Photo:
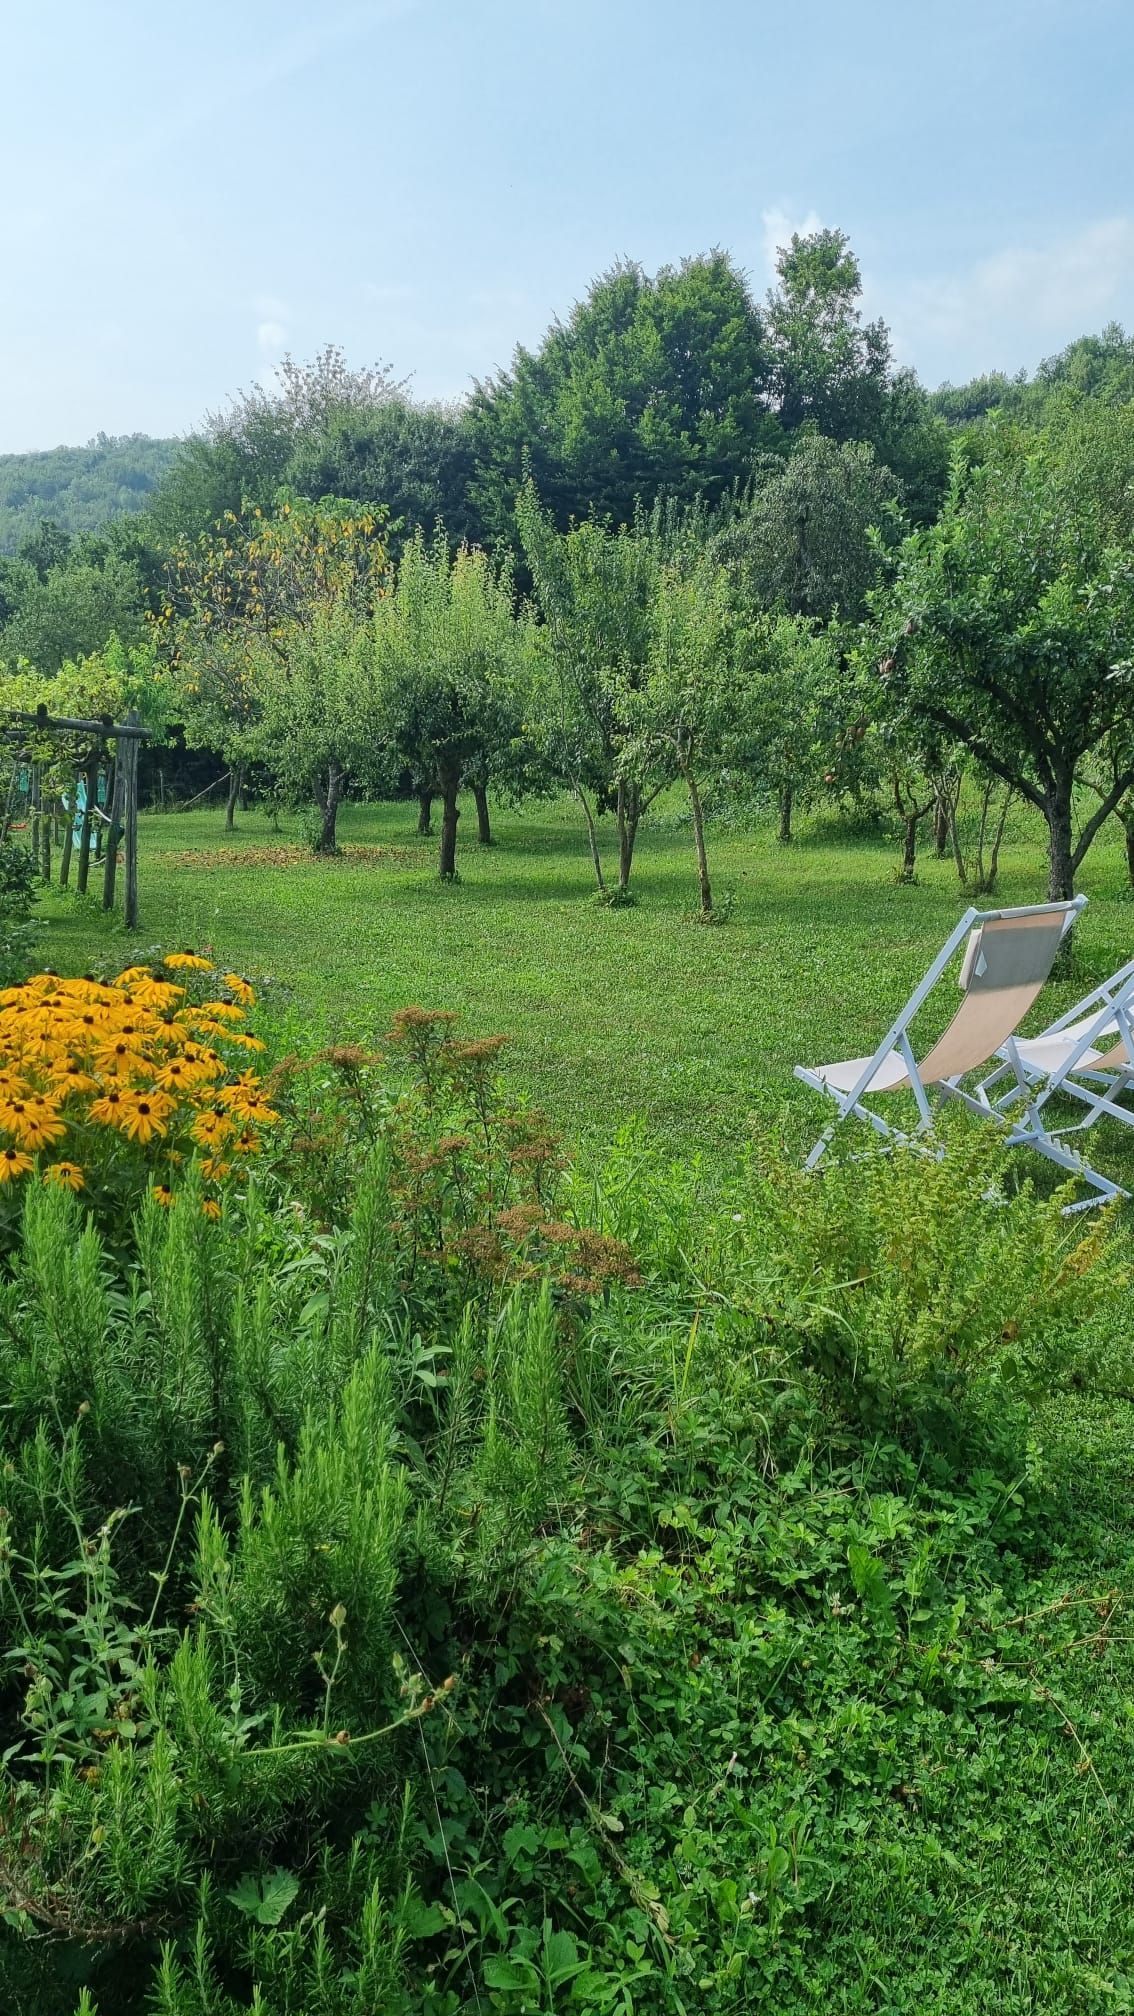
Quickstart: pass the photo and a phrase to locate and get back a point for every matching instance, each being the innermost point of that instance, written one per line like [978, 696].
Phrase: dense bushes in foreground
[513, 1594]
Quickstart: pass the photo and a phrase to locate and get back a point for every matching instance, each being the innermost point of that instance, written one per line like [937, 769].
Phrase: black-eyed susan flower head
[39, 1124]
[144, 1116]
[211, 1128]
[107, 1108]
[153, 993]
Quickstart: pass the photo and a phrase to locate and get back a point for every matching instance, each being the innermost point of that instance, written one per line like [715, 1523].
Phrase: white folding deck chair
[1008, 957]
[1087, 1055]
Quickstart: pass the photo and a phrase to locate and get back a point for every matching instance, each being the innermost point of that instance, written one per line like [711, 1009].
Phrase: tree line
[692, 539]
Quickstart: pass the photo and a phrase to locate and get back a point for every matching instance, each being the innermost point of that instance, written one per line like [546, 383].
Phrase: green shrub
[18, 934]
[931, 1297]
[930, 1292]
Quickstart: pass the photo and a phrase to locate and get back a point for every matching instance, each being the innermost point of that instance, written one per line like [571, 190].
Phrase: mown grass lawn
[615, 1015]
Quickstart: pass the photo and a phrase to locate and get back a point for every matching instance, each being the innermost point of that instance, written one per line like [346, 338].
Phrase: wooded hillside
[82, 489]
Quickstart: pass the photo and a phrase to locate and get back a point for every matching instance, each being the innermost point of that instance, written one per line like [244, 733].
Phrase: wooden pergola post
[123, 823]
[113, 834]
[130, 815]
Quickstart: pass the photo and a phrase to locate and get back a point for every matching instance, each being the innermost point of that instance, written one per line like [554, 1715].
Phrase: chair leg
[821, 1147]
[1075, 1165]
[892, 1136]
[1101, 1104]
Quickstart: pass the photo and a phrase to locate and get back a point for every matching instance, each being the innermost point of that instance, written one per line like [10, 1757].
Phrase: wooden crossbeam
[106, 729]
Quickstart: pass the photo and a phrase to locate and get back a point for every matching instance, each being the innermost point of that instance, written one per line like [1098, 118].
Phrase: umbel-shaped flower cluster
[103, 1086]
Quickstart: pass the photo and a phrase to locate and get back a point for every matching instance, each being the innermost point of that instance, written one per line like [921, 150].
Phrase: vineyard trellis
[43, 742]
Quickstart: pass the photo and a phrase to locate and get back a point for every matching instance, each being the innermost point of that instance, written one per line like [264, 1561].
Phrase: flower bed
[105, 1086]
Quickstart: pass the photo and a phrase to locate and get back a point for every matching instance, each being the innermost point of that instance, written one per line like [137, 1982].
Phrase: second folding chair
[1086, 1056]
[1008, 956]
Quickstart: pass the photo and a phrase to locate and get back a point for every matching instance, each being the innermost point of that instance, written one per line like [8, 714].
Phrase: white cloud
[1012, 306]
[272, 318]
[777, 226]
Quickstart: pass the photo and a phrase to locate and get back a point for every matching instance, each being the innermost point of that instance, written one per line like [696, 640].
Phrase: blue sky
[189, 190]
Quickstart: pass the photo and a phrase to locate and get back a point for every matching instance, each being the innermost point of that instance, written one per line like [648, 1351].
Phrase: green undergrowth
[390, 1629]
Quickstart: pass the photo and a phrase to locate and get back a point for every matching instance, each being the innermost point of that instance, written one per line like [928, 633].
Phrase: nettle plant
[927, 1291]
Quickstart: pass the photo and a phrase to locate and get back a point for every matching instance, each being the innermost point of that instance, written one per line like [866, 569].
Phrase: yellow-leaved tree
[255, 630]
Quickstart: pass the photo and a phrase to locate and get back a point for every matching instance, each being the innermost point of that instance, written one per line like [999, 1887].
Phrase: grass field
[614, 1014]
[863, 1727]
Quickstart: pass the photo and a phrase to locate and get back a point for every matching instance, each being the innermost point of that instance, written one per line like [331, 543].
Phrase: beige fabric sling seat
[1041, 1055]
[1083, 1038]
[1007, 959]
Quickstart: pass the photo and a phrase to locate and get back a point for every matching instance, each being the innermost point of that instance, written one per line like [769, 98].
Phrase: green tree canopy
[241, 456]
[414, 459]
[1092, 367]
[450, 661]
[17, 579]
[652, 385]
[255, 611]
[830, 370]
[692, 717]
[801, 707]
[310, 713]
[73, 610]
[79, 489]
[47, 545]
[835, 374]
[1010, 623]
[805, 542]
[595, 587]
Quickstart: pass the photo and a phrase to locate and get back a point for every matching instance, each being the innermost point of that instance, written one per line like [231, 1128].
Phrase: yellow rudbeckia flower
[144, 1115]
